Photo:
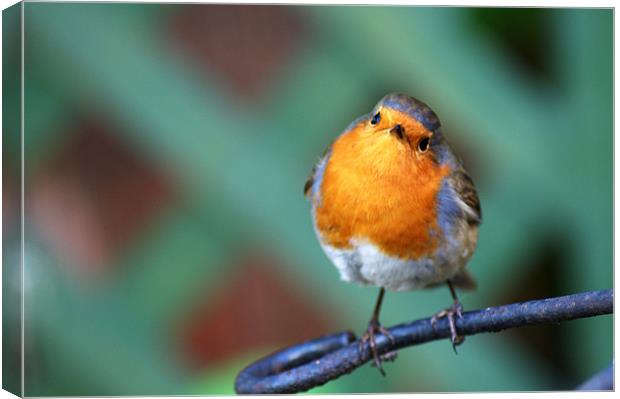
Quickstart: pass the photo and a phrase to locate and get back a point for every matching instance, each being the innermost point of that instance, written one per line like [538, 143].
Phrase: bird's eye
[375, 119]
[423, 144]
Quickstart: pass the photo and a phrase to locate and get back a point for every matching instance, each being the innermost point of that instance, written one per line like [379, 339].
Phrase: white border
[480, 3]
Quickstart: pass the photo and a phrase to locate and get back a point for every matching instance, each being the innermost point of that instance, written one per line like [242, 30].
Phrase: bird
[393, 206]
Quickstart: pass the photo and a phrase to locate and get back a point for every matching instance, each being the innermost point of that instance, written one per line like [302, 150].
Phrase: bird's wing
[315, 168]
[309, 181]
[463, 185]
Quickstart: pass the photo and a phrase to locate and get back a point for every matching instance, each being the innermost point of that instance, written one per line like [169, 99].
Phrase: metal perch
[313, 363]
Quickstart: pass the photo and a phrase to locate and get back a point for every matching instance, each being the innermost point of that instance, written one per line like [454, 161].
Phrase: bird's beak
[398, 131]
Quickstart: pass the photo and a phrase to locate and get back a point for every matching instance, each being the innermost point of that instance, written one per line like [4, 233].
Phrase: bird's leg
[455, 310]
[374, 327]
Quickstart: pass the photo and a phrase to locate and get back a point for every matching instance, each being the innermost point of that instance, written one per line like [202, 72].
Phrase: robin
[394, 207]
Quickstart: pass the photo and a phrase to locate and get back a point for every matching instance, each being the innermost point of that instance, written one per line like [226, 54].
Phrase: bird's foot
[387, 357]
[455, 311]
[374, 327]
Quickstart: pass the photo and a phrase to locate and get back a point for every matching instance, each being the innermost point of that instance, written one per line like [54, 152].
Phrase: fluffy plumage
[391, 211]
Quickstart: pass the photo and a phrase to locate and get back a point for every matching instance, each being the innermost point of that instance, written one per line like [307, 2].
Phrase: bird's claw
[388, 357]
[455, 310]
[375, 327]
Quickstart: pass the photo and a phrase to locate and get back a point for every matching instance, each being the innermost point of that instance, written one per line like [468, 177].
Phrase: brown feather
[309, 181]
[464, 187]
[464, 280]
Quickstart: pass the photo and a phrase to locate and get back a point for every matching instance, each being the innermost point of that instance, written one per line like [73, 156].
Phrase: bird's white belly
[365, 264]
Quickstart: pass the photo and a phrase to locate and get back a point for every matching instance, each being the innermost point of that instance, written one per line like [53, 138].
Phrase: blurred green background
[168, 243]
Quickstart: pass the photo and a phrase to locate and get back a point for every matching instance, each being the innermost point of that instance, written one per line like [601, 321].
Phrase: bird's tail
[464, 280]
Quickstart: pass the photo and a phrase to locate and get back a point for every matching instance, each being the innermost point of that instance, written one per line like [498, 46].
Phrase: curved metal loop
[275, 373]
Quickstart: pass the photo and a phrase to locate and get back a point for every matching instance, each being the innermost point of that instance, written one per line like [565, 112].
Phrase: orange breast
[376, 188]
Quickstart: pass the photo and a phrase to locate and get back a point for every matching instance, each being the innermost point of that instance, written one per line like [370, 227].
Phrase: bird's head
[406, 119]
